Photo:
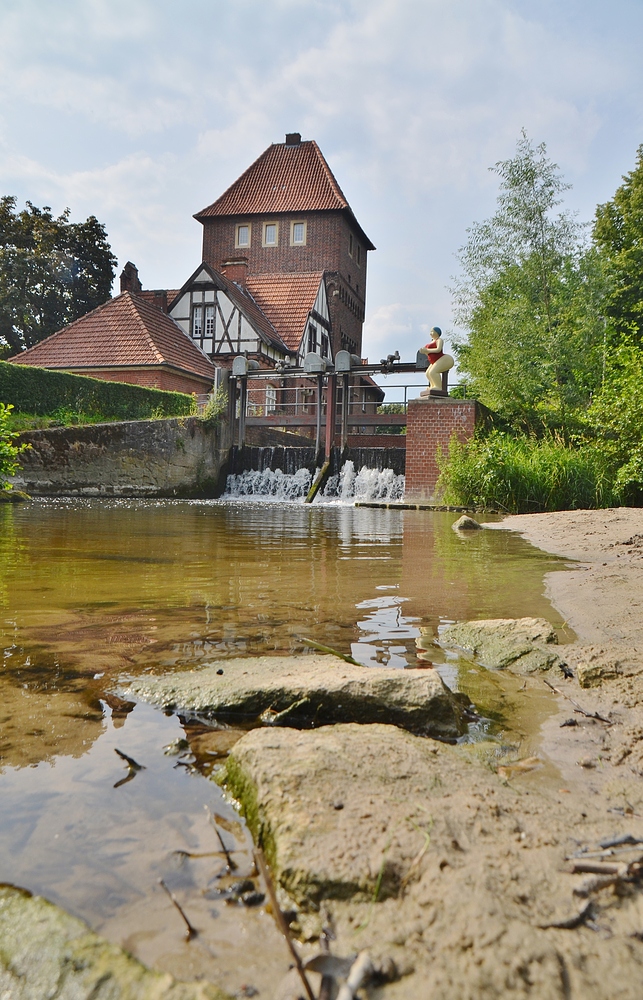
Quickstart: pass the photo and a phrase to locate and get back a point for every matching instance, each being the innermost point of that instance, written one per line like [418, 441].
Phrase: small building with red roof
[126, 340]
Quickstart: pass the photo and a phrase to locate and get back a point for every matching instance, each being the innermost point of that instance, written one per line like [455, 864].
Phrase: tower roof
[287, 177]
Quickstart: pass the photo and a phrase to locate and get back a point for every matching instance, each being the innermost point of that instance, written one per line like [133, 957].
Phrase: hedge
[43, 392]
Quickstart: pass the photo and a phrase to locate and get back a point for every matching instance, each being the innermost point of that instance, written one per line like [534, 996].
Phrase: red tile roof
[284, 179]
[286, 299]
[125, 331]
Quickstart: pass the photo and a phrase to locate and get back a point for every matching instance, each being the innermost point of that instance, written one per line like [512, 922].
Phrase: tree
[618, 234]
[8, 450]
[529, 296]
[52, 271]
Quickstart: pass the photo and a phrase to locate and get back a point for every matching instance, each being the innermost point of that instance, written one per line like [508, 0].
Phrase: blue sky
[143, 111]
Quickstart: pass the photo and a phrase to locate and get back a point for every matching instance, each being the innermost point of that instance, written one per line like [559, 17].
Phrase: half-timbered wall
[317, 336]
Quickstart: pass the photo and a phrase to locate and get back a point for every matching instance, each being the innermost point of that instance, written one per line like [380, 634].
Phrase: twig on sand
[232, 864]
[329, 649]
[192, 932]
[361, 969]
[577, 707]
[571, 923]
[282, 923]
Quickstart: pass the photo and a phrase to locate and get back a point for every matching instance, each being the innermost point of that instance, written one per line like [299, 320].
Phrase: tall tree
[52, 271]
[529, 297]
[618, 234]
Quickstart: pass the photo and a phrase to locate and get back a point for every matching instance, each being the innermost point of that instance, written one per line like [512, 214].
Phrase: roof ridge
[238, 180]
[329, 174]
[136, 301]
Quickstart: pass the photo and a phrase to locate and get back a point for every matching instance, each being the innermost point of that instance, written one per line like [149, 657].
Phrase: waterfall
[346, 487]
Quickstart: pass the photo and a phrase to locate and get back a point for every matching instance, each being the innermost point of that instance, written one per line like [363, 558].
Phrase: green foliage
[42, 392]
[8, 450]
[390, 428]
[522, 474]
[618, 234]
[216, 406]
[52, 271]
[616, 419]
[529, 296]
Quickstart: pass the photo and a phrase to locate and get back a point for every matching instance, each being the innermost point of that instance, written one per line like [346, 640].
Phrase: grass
[521, 474]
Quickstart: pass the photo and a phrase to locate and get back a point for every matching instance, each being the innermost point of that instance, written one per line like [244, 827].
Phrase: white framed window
[298, 234]
[271, 234]
[350, 244]
[197, 322]
[209, 322]
[243, 234]
[359, 255]
[271, 399]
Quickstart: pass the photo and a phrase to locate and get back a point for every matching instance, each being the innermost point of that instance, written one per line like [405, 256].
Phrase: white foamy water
[348, 486]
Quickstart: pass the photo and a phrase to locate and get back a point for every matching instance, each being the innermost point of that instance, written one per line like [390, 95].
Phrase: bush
[523, 474]
[41, 392]
[8, 450]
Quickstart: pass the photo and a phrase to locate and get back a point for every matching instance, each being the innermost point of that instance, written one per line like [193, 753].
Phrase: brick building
[127, 339]
[287, 215]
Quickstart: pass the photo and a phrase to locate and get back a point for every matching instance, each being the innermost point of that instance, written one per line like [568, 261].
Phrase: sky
[142, 112]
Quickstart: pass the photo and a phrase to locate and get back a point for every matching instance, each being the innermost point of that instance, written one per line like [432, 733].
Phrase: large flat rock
[524, 645]
[301, 691]
[46, 953]
[421, 854]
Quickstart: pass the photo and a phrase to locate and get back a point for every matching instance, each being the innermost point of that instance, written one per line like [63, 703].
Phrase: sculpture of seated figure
[439, 362]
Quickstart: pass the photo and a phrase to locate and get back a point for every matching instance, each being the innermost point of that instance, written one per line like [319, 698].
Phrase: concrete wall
[181, 456]
[431, 423]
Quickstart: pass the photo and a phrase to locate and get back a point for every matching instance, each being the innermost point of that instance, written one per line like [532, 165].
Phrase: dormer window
[270, 234]
[298, 234]
[242, 238]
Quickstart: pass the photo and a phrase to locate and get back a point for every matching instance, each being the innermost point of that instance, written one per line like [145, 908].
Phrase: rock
[301, 691]
[288, 783]
[45, 952]
[594, 670]
[435, 864]
[13, 496]
[522, 644]
[465, 523]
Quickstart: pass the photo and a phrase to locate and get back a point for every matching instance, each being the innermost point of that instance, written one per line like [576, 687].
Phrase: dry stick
[281, 920]
[232, 865]
[329, 649]
[130, 760]
[588, 715]
[192, 931]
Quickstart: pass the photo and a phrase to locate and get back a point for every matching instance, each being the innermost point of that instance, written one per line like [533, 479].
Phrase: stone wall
[431, 423]
[181, 456]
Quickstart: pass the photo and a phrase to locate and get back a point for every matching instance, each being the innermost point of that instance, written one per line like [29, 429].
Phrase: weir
[348, 483]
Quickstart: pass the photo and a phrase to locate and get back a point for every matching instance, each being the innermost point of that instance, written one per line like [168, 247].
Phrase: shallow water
[91, 591]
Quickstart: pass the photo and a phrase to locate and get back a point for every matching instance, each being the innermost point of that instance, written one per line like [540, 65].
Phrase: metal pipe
[345, 398]
[320, 383]
[243, 402]
[331, 397]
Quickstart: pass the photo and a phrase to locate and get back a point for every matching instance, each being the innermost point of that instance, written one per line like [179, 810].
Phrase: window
[359, 255]
[271, 399]
[243, 233]
[209, 321]
[197, 322]
[325, 353]
[270, 234]
[312, 338]
[297, 234]
[350, 244]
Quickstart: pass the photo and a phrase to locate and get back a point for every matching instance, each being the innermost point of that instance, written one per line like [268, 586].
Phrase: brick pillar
[431, 423]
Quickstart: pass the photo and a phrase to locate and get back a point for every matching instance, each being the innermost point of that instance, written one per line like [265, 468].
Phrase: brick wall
[326, 249]
[431, 423]
[151, 378]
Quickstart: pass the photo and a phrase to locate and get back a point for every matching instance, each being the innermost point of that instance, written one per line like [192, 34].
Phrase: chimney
[236, 270]
[293, 138]
[130, 280]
